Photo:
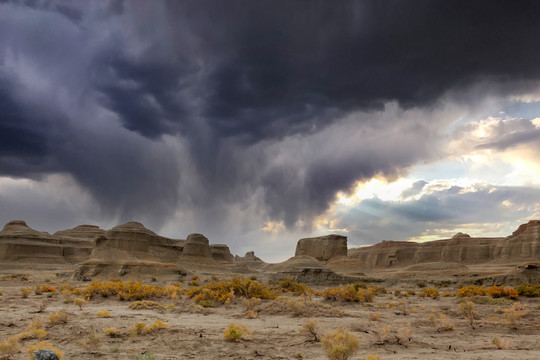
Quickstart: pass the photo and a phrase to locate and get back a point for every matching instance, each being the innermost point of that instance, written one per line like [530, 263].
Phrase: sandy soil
[192, 335]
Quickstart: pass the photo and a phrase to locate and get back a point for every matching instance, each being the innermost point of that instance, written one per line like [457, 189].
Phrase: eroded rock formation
[322, 248]
[197, 245]
[221, 252]
[522, 245]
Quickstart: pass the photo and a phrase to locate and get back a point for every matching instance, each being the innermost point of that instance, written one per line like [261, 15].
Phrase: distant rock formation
[133, 242]
[197, 245]
[522, 245]
[322, 248]
[20, 242]
[249, 260]
[221, 252]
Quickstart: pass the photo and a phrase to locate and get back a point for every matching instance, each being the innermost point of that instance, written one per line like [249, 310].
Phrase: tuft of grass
[25, 292]
[513, 315]
[9, 348]
[80, 302]
[340, 344]
[501, 344]
[467, 310]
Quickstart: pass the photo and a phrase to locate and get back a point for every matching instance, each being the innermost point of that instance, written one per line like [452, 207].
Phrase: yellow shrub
[237, 286]
[429, 292]
[501, 291]
[9, 348]
[25, 292]
[146, 304]
[471, 290]
[104, 314]
[340, 344]
[80, 302]
[32, 334]
[350, 293]
[44, 345]
[113, 332]
[529, 290]
[514, 314]
[288, 285]
[467, 309]
[236, 332]
[123, 291]
[58, 318]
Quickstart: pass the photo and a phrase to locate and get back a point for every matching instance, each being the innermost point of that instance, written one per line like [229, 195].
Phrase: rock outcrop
[132, 242]
[322, 248]
[81, 232]
[222, 253]
[197, 245]
[522, 245]
[20, 242]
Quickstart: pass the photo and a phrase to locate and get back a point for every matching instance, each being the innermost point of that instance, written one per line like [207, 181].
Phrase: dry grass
[237, 332]
[340, 344]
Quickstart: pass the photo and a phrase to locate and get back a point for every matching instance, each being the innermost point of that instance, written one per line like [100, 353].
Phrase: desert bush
[382, 331]
[9, 348]
[421, 284]
[80, 302]
[501, 291]
[471, 290]
[467, 310]
[42, 305]
[501, 344]
[429, 292]
[36, 323]
[375, 316]
[174, 292]
[288, 285]
[25, 292]
[104, 314]
[236, 332]
[441, 322]
[372, 357]
[58, 317]
[350, 293]
[145, 304]
[529, 290]
[34, 333]
[143, 328]
[113, 332]
[340, 344]
[513, 315]
[311, 329]
[44, 345]
[237, 286]
[404, 334]
[123, 291]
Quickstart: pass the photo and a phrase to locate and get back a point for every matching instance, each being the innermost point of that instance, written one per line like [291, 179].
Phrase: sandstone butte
[128, 248]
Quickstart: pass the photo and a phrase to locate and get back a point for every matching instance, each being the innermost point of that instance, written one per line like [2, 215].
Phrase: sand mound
[294, 263]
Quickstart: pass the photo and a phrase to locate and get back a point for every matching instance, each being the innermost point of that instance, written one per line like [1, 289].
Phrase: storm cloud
[185, 110]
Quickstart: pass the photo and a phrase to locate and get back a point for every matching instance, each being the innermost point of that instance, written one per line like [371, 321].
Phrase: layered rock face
[81, 232]
[222, 253]
[132, 242]
[18, 241]
[522, 245]
[197, 245]
[323, 247]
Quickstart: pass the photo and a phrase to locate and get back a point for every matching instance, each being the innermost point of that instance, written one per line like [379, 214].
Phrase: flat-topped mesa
[322, 248]
[523, 245]
[134, 242]
[197, 245]
[18, 241]
[222, 253]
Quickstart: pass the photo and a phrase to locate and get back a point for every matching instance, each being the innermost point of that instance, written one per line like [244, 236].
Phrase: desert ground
[398, 324]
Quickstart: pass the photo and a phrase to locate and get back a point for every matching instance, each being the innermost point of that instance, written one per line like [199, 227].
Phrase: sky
[257, 123]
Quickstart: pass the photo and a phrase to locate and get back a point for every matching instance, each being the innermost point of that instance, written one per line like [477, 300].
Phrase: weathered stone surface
[18, 241]
[81, 232]
[323, 247]
[522, 245]
[134, 242]
[221, 252]
[249, 260]
[45, 355]
[197, 245]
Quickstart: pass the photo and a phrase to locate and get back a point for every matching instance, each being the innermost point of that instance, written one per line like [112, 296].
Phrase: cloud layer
[220, 116]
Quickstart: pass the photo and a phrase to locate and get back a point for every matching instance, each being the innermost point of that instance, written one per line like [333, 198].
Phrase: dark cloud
[201, 105]
[375, 220]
